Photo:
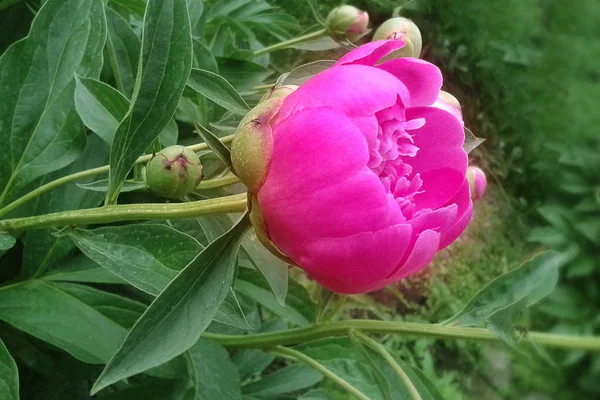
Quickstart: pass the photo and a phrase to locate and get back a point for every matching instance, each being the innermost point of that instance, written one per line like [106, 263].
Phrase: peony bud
[404, 29]
[253, 142]
[477, 182]
[174, 172]
[347, 22]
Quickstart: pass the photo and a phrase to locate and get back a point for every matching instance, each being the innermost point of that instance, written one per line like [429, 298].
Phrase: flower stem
[286, 353]
[85, 174]
[129, 212]
[282, 45]
[340, 328]
[412, 390]
[226, 180]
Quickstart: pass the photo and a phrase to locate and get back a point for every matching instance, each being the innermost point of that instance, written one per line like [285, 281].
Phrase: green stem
[226, 180]
[412, 390]
[282, 45]
[341, 328]
[296, 355]
[129, 212]
[85, 174]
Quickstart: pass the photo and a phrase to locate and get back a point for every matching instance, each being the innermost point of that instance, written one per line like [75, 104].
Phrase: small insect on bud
[174, 172]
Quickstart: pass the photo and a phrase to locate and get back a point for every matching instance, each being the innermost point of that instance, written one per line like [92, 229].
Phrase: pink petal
[464, 204]
[421, 254]
[370, 53]
[423, 79]
[355, 264]
[356, 90]
[311, 191]
[441, 160]
[438, 220]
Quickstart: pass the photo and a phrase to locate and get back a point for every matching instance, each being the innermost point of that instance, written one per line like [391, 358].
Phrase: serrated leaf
[100, 106]
[289, 379]
[216, 375]
[46, 312]
[123, 49]
[215, 145]
[6, 241]
[165, 64]
[535, 279]
[216, 88]
[102, 186]
[147, 256]
[9, 376]
[176, 319]
[39, 127]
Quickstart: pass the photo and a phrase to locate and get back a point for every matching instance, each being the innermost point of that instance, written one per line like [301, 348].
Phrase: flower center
[390, 155]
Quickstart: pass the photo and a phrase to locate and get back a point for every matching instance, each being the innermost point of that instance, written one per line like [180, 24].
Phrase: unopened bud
[174, 172]
[347, 22]
[404, 29]
[477, 182]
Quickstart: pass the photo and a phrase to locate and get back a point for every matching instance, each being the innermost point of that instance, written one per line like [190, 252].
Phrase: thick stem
[301, 335]
[282, 45]
[85, 174]
[412, 390]
[296, 355]
[129, 212]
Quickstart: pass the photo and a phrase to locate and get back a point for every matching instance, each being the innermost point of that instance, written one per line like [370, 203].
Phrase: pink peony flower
[477, 182]
[356, 176]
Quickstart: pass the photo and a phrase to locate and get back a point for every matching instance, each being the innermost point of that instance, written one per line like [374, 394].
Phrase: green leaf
[100, 106]
[177, 318]
[48, 313]
[501, 322]
[203, 57]
[81, 269]
[37, 85]
[123, 49]
[215, 145]
[251, 362]
[273, 270]
[148, 256]
[6, 241]
[214, 87]
[231, 313]
[120, 309]
[243, 75]
[102, 186]
[42, 249]
[535, 279]
[155, 389]
[137, 7]
[346, 361]
[289, 379]
[299, 309]
[216, 375]
[165, 64]
[9, 376]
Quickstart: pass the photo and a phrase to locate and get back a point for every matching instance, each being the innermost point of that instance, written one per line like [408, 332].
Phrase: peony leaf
[289, 379]
[165, 64]
[215, 88]
[534, 279]
[7, 241]
[303, 73]
[102, 186]
[123, 51]
[9, 375]
[215, 145]
[177, 317]
[471, 141]
[37, 82]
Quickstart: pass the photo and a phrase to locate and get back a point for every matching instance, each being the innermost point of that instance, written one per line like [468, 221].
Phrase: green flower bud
[252, 145]
[401, 28]
[347, 22]
[174, 172]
